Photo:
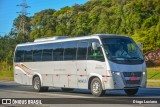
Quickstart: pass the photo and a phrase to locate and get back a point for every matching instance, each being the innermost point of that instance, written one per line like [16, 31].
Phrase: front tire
[37, 85]
[96, 87]
[131, 92]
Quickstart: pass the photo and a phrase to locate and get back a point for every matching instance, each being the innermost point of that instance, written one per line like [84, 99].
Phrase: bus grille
[128, 75]
[131, 74]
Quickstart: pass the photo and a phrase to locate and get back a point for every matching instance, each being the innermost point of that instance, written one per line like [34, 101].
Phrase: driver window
[95, 54]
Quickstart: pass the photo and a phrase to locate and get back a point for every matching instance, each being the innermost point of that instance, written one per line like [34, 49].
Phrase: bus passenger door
[82, 65]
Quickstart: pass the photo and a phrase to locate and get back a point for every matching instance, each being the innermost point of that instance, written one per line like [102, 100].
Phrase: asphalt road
[10, 89]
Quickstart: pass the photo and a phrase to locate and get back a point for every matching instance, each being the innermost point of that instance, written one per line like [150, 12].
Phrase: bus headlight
[144, 73]
[116, 73]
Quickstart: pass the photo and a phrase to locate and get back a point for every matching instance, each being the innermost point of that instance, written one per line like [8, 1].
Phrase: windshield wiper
[136, 58]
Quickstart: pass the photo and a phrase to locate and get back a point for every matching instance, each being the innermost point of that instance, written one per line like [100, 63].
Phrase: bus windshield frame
[122, 50]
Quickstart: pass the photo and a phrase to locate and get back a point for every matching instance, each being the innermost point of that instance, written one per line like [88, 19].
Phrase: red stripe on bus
[22, 69]
[106, 76]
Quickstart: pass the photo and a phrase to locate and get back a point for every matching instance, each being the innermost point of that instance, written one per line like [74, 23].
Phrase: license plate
[133, 78]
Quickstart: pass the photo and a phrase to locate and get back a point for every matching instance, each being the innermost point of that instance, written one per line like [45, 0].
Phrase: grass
[153, 73]
[153, 83]
[6, 75]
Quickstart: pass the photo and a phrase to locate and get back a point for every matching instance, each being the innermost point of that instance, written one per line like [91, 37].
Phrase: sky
[8, 10]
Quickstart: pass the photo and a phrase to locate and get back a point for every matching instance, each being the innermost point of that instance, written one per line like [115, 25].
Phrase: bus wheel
[131, 92]
[37, 85]
[67, 89]
[96, 87]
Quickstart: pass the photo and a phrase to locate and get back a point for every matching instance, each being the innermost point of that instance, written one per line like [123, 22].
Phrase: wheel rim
[36, 84]
[96, 87]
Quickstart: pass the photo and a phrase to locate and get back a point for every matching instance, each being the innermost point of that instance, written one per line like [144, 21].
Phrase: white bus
[97, 62]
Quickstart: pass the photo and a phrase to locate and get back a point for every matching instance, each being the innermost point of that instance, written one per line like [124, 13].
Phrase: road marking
[72, 96]
[59, 95]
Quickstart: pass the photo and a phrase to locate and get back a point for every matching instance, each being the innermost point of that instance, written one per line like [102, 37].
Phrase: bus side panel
[99, 68]
[69, 68]
[28, 69]
[21, 74]
[18, 75]
[60, 78]
[46, 69]
[82, 74]
[56, 80]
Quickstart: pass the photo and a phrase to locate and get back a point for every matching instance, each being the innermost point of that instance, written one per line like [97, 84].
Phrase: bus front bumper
[125, 80]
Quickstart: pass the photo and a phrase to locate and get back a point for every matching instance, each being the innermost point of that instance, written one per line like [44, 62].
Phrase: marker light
[116, 72]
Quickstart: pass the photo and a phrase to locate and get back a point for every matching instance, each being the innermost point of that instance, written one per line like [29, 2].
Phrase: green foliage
[136, 18]
[27, 23]
[43, 24]
[7, 44]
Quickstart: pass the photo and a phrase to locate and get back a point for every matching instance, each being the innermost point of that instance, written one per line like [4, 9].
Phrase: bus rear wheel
[37, 85]
[131, 92]
[96, 87]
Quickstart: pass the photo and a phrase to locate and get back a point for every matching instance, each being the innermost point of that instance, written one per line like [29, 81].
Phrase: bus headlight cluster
[116, 73]
[144, 73]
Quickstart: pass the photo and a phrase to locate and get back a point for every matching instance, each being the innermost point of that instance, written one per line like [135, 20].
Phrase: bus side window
[95, 54]
[82, 51]
[19, 55]
[70, 50]
[28, 54]
[58, 52]
[47, 52]
[37, 53]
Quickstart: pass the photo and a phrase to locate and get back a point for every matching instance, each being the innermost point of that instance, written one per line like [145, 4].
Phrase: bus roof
[65, 38]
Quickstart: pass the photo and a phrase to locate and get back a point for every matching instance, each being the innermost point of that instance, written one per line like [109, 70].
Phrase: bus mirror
[95, 45]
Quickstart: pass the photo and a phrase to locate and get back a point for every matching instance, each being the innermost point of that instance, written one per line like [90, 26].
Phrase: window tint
[47, 52]
[28, 54]
[70, 50]
[132, 50]
[19, 55]
[82, 51]
[58, 52]
[37, 53]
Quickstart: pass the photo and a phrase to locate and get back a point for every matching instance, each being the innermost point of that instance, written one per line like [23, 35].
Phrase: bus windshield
[122, 50]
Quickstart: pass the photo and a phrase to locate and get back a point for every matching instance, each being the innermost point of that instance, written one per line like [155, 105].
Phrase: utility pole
[23, 13]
